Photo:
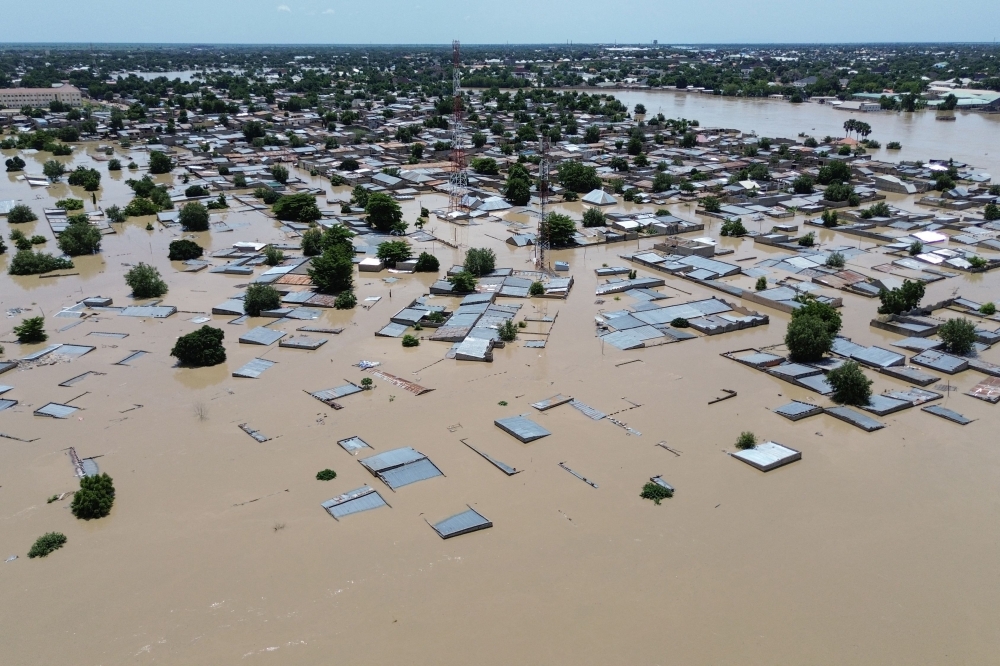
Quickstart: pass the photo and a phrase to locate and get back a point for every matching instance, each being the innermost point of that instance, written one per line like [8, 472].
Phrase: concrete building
[16, 98]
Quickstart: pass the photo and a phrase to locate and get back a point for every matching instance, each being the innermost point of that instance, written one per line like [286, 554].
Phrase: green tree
[297, 208]
[145, 281]
[536, 289]
[326, 475]
[991, 212]
[427, 263]
[575, 176]
[834, 171]
[463, 282]
[901, 299]
[47, 543]
[26, 262]
[183, 250]
[959, 335]
[21, 213]
[711, 204]
[561, 229]
[384, 213]
[79, 236]
[811, 307]
[31, 330]
[592, 134]
[359, 195]
[593, 217]
[339, 235]
[518, 186]
[200, 348]
[485, 165]
[159, 162]
[655, 492]
[808, 338]
[761, 283]
[829, 218]
[14, 164]
[193, 217]
[94, 498]
[746, 440]
[411, 340]
[259, 298]
[345, 300]
[850, 385]
[53, 170]
[273, 256]
[480, 261]
[662, 182]
[333, 271]
[88, 179]
[279, 173]
[802, 185]
[311, 239]
[394, 252]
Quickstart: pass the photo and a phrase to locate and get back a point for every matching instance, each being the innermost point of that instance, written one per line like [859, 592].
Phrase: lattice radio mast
[459, 176]
[542, 243]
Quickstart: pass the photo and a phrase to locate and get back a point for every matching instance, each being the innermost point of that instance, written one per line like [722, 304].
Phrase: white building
[16, 98]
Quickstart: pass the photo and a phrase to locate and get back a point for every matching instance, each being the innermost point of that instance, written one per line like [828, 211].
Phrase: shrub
[808, 240]
[712, 204]
[991, 212]
[733, 227]
[14, 164]
[958, 335]
[808, 338]
[345, 300]
[114, 165]
[427, 263]
[20, 213]
[835, 260]
[140, 206]
[195, 191]
[240, 180]
[367, 384]
[312, 242]
[536, 289]
[115, 214]
[463, 282]
[333, 271]
[746, 440]
[326, 475]
[976, 261]
[202, 347]
[273, 256]
[829, 218]
[267, 195]
[893, 145]
[260, 297]
[655, 492]
[850, 385]
[507, 331]
[38, 240]
[480, 261]
[70, 204]
[679, 322]
[593, 217]
[47, 543]
[988, 309]
[31, 330]
[145, 281]
[761, 283]
[279, 173]
[182, 250]
[80, 237]
[94, 498]
[394, 252]
[410, 340]
[26, 262]
[193, 217]
[916, 247]
[901, 299]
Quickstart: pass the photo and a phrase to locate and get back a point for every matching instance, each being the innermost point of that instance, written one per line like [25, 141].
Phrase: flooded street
[875, 548]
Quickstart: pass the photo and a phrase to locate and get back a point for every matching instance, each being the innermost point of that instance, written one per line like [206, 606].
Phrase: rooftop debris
[578, 475]
[503, 467]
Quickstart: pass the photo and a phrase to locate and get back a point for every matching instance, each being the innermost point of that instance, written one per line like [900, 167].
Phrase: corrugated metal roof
[254, 368]
[461, 523]
[768, 456]
[131, 357]
[154, 311]
[392, 331]
[90, 467]
[261, 336]
[302, 342]
[522, 428]
[355, 501]
[338, 392]
[410, 473]
[390, 459]
[353, 444]
[56, 410]
[549, 403]
[34, 356]
[944, 413]
[76, 350]
[6, 403]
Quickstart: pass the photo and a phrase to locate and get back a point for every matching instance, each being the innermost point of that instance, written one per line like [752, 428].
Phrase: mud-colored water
[875, 548]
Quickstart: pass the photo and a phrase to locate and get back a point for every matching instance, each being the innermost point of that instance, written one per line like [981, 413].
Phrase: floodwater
[873, 549]
[970, 139]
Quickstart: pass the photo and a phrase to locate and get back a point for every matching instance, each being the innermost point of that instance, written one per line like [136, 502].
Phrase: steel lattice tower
[542, 242]
[459, 176]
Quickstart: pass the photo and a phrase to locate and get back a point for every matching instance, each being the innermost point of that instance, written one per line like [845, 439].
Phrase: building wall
[15, 98]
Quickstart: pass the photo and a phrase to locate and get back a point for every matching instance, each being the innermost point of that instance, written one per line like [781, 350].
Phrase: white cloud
[329, 11]
[284, 8]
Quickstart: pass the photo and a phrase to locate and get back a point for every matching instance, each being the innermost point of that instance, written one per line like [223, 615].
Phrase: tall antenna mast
[459, 176]
[542, 242]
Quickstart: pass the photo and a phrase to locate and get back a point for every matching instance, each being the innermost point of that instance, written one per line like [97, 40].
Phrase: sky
[501, 21]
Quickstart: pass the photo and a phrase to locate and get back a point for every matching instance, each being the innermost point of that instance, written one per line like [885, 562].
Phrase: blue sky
[500, 21]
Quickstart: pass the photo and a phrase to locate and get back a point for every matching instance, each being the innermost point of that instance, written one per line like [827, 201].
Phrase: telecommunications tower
[459, 179]
[542, 242]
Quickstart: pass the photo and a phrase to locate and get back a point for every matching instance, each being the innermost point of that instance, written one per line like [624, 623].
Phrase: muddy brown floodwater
[873, 549]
